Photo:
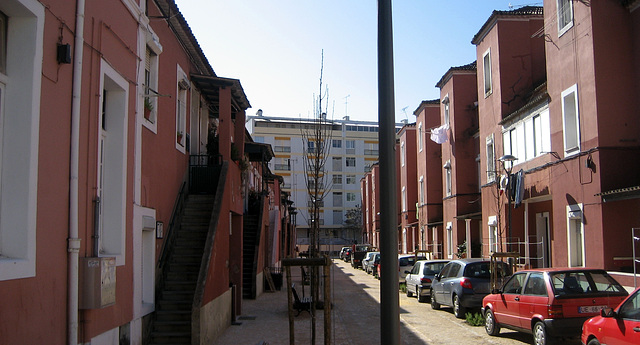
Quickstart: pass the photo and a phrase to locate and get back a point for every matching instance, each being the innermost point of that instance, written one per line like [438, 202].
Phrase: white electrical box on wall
[98, 282]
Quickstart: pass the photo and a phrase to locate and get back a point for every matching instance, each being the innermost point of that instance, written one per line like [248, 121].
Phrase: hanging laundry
[519, 188]
[440, 134]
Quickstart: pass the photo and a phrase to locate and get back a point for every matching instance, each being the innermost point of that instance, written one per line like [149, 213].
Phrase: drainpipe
[74, 241]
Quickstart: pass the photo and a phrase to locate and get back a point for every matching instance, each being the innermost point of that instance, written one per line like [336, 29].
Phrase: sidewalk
[355, 317]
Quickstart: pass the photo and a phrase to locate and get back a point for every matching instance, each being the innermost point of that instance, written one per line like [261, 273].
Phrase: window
[486, 73]
[337, 180]
[337, 199]
[450, 240]
[421, 190]
[337, 217]
[404, 199]
[351, 179]
[150, 85]
[565, 16]
[350, 145]
[3, 43]
[493, 234]
[576, 236]
[445, 104]
[630, 310]
[491, 159]
[181, 110]
[571, 120]
[351, 196]
[448, 182]
[337, 163]
[282, 163]
[336, 143]
[351, 161]
[420, 135]
[402, 153]
[258, 139]
[514, 285]
[21, 53]
[371, 149]
[536, 285]
[528, 138]
[282, 145]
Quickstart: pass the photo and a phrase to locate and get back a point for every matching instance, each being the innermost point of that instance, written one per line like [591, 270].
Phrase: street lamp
[508, 168]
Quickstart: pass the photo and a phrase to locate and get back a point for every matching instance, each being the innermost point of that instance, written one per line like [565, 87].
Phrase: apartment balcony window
[337, 199]
[351, 162]
[351, 179]
[571, 120]
[486, 73]
[336, 143]
[565, 16]
[337, 163]
[350, 146]
[448, 182]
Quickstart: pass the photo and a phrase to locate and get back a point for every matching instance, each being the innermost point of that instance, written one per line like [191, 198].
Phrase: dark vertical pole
[389, 302]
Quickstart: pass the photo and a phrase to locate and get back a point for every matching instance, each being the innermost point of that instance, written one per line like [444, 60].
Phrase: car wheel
[434, 305]
[421, 297]
[458, 310]
[490, 324]
[540, 336]
[593, 341]
[409, 293]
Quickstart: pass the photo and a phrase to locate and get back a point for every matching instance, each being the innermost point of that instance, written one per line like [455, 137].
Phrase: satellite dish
[504, 182]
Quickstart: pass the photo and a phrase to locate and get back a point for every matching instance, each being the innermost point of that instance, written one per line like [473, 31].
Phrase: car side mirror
[437, 277]
[407, 272]
[607, 312]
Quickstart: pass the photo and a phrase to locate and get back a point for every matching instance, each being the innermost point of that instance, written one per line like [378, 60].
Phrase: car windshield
[432, 269]
[482, 270]
[584, 282]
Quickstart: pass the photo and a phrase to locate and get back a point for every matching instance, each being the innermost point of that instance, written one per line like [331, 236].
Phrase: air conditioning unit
[98, 282]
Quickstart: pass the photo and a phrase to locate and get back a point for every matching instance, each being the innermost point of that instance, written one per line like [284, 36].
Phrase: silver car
[367, 262]
[420, 277]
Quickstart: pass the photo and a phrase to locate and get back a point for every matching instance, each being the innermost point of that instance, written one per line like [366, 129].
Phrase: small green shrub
[403, 287]
[475, 320]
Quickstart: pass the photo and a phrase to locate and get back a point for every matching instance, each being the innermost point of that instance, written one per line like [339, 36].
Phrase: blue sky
[275, 49]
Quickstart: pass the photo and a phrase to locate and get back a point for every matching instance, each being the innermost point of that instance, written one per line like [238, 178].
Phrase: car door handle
[636, 329]
[517, 299]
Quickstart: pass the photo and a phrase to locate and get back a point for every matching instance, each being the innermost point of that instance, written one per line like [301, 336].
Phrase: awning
[620, 194]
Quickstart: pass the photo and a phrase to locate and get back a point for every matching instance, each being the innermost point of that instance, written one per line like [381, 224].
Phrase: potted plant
[148, 108]
[179, 137]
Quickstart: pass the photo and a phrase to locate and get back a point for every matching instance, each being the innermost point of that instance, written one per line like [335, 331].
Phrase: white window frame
[567, 127]
[20, 116]
[420, 137]
[112, 240]
[446, 109]
[351, 196]
[402, 154]
[494, 240]
[350, 159]
[575, 236]
[336, 143]
[564, 25]
[182, 104]
[449, 230]
[351, 179]
[448, 178]
[337, 179]
[486, 73]
[491, 158]
[153, 50]
[528, 138]
[421, 190]
[404, 199]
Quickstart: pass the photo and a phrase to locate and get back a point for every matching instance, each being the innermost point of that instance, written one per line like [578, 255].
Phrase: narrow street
[356, 318]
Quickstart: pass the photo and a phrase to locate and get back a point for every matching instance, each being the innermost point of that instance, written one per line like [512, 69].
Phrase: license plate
[591, 309]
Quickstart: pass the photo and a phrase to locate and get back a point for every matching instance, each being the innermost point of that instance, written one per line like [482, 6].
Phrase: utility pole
[389, 301]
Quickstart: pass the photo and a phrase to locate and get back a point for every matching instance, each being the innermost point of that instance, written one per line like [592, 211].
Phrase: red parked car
[619, 326]
[550, 302]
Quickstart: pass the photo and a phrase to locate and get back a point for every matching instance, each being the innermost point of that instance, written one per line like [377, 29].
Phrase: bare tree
[316, 139]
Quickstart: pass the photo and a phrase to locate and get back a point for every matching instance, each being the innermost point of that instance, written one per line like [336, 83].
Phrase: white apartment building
[353, 148]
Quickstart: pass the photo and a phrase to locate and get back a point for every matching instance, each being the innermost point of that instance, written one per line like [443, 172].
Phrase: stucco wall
[215, 317]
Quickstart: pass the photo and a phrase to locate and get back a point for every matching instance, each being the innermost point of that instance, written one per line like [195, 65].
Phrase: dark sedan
[462, 284]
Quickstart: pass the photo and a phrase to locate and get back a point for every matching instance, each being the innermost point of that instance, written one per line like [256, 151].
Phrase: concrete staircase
[172, 322]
